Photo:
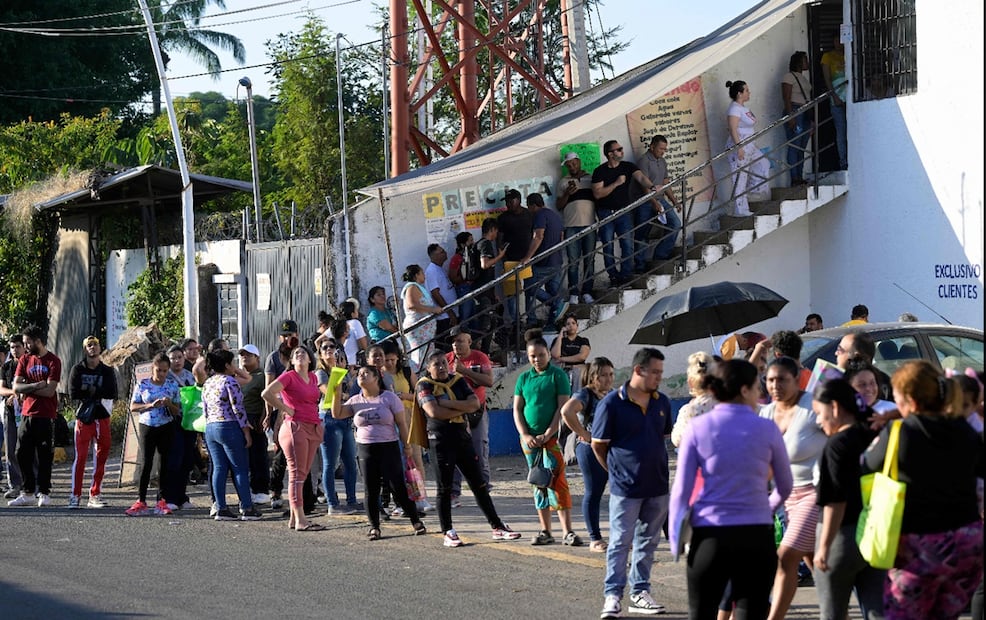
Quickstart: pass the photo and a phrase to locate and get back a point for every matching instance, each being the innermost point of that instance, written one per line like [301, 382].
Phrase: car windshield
[813, 345]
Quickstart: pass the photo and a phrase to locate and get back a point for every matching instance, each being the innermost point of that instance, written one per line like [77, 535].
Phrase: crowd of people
[768, 474]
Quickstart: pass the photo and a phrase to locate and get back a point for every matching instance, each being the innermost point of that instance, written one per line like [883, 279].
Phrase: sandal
[311, 527]
[543, 538]
[572, 540]
[373, 534]
[597, 546]
[419, 528]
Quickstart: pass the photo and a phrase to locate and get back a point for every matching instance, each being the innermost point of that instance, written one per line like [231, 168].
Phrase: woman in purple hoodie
[738, 453]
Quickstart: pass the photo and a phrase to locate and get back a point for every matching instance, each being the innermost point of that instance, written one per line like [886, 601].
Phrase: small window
[885, 62]
[958, 353]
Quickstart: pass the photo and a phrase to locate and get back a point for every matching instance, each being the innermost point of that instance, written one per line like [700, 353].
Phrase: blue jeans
[466, 308]
[8, 435]
[669, 234]
[839, 122]
[797, 138]
[339, 440]
[227, 448]
[595, 478]
[621, 227]
[544, 286]
[582, 251]
[638, 521]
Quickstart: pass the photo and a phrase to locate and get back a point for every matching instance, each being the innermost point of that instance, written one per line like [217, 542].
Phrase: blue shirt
[549, 220]
[147, 392]
[637, 459]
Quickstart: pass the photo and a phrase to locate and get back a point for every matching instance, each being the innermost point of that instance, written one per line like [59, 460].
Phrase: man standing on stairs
[545, 285]
[611, 188]
[655, 167]
[578, 208]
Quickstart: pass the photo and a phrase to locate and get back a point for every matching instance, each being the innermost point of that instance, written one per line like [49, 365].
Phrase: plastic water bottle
[270, 438]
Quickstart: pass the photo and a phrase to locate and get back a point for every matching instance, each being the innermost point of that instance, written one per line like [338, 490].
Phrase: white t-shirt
[800, 87]
[747, 121]
[435, 277]
[356, 332]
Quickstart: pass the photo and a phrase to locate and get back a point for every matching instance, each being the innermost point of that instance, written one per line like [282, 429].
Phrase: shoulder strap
[802, 88]
[890, 460]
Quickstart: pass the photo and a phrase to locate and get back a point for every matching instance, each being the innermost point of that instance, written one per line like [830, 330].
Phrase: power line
[91, 16]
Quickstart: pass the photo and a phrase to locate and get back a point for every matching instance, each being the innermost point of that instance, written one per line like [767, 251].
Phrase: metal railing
[489, 323]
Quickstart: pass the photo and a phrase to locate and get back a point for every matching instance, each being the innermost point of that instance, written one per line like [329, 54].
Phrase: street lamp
[254, 164]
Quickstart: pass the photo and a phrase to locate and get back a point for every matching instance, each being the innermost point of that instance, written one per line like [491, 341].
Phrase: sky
[653, 28]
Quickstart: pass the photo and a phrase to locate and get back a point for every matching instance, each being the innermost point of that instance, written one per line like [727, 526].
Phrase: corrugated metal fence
[297, 288]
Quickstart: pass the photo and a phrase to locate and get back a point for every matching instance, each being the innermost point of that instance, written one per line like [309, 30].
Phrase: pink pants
[84, 434]
[299, 441]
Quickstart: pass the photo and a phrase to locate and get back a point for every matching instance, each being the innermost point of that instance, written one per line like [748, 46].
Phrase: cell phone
[506, 245]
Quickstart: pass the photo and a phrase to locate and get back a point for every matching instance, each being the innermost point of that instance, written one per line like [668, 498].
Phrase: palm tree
[178, 31]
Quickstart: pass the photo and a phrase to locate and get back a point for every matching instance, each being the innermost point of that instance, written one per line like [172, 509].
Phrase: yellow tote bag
[508, 284]
[878, 529]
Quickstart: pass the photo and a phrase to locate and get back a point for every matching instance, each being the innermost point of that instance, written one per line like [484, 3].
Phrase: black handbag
[539, 475]
[86, 413]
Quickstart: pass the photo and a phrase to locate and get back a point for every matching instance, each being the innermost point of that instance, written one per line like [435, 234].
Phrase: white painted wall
[123, 267]
[916, 186]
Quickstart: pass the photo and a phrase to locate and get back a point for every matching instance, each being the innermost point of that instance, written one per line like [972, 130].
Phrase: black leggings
[153, 439]
[383, 460]
[452, 447]
[743, 555]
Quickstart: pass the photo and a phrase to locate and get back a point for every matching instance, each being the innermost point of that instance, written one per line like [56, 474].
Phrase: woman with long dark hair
[378, 416]
[839, 568]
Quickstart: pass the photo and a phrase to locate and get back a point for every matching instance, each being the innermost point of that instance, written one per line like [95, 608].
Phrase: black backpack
[471, 264]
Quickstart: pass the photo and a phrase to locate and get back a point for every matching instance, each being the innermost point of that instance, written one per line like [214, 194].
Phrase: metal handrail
[681, 183]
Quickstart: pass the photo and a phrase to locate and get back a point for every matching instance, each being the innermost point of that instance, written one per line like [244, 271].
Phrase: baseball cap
[89, 340]
[251, 349]
[569, 156]
[511, 193]
[288, 327]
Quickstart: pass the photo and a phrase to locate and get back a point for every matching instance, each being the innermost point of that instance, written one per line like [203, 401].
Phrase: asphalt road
[56, 563]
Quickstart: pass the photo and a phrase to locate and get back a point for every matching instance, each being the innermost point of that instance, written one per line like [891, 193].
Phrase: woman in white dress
[750, 167]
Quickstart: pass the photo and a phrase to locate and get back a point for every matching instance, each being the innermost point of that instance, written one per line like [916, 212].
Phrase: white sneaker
[74, 502]
[588, 299]
[187, 505]
[260, 498]
[97, 501]
[452, 539]
[611, 607]
[574, 299]
[424, 506]
[397, 512]
[22, 500]
[644, 603]
[214, 510]
[43, 500]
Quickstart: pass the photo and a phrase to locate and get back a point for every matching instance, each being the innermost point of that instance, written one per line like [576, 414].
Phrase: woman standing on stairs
[749, 165]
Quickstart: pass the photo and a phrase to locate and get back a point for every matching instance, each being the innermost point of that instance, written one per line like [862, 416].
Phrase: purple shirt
[736, 450]
[374, 417]
[222, 400]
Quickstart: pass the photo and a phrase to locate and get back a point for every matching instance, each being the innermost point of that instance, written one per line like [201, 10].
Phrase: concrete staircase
[708, 247]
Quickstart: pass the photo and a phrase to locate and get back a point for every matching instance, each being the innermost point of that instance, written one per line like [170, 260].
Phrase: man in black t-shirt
[611, 188]
[516, 227]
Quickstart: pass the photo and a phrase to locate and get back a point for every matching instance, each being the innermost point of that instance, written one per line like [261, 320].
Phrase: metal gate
[284, 281]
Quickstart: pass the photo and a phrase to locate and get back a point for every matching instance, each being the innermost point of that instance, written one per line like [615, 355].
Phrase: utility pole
[342, 169]
[254, 163]
[191, 291]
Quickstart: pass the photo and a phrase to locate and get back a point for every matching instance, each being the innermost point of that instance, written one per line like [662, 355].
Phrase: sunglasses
[327, 347]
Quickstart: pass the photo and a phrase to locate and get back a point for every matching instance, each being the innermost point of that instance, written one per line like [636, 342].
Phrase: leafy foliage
[158, 297]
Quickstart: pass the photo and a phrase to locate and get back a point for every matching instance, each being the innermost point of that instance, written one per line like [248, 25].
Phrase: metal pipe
[254, 162]
[191, 305]
[342, 169]
[385, 108]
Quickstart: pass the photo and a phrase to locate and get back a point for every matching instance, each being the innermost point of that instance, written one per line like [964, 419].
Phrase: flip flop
[419, 528]
[311, 527]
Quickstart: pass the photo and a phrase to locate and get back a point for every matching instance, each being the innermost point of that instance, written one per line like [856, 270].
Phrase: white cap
[569, 156]
[251, 349]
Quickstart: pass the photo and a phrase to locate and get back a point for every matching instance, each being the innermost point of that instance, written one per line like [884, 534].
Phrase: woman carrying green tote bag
[939, 560]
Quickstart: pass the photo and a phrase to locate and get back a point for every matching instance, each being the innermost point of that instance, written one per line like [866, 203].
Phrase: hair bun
[729, 84]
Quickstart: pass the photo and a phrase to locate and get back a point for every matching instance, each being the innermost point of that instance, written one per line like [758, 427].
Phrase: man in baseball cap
[577, 206]
[251, 349]
[289, 328]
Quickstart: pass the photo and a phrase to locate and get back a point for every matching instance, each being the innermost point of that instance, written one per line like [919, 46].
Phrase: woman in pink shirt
[301, 433]
[378, 415]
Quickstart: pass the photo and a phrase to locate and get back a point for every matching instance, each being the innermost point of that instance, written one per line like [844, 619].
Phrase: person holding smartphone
[489, 257]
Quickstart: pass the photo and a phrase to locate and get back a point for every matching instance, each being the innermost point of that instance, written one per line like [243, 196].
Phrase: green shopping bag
[192, 413]
[878, 529]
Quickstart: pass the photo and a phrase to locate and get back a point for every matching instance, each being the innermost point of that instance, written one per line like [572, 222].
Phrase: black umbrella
[705, 311]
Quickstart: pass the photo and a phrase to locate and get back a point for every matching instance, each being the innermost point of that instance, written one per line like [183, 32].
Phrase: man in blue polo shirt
[628, 440]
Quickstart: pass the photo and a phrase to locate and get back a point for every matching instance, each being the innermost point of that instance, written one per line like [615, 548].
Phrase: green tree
[159, 297]
[43, 77]
[306, 131]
